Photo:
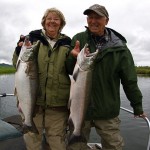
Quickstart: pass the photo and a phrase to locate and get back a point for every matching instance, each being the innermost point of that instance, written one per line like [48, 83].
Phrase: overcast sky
[129, 17]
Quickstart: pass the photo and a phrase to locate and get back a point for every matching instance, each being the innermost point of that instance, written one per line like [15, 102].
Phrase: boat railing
[4, 94]
[148, 124]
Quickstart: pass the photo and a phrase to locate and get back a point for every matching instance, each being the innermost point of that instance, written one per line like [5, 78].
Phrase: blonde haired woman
[54, 83]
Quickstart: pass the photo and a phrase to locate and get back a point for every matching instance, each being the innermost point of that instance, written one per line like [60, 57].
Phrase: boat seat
[7, 131]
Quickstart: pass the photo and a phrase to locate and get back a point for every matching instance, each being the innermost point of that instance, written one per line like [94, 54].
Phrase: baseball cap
[99, 9]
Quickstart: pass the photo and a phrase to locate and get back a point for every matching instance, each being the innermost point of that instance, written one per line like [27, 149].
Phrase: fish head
[86, 61]
[28, 55]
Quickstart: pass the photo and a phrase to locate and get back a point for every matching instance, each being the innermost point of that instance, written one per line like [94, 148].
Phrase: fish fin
[32, 128]
[71, 92]
[15, 91]
[69, 103]
[17, 64]
[70, 123]
[76, 138]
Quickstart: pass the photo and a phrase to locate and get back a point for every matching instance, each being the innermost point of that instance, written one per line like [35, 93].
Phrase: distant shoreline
[143, 70]
[6, 69]
[9, 69]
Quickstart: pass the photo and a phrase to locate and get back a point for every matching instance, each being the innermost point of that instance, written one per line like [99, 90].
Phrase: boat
[11, 133]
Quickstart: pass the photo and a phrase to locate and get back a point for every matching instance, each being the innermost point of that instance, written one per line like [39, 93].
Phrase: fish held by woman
[26, 85]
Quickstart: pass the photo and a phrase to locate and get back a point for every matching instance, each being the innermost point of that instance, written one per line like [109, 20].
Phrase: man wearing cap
[114, 64]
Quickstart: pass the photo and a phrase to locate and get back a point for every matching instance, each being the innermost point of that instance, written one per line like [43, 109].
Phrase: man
[114, 64]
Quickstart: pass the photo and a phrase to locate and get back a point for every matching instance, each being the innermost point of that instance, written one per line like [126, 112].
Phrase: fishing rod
[147, 121]
[4, 94]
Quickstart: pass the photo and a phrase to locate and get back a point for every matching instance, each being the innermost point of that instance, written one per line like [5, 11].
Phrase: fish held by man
[26, 85]
[80, 93]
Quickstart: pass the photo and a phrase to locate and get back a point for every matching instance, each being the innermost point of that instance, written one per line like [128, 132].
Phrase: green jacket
[54, 81]
[113, 65]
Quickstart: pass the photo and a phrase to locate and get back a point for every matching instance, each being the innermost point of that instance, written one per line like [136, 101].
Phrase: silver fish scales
[26, 85]
[81, 83]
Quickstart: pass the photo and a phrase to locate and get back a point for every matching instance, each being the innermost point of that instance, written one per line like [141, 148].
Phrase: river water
[134, 131]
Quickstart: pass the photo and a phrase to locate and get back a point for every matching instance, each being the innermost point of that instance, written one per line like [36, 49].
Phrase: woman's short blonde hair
[58, 12]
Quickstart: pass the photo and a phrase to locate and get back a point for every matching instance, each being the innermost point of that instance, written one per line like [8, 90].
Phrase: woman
[54, 83]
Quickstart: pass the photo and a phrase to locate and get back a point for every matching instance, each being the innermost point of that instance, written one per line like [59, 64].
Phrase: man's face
[96, 23]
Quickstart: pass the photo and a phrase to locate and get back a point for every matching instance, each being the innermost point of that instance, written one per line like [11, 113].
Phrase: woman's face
[52, 24]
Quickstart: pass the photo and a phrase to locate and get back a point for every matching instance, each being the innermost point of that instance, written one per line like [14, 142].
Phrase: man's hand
[76, 50]
[141, 115]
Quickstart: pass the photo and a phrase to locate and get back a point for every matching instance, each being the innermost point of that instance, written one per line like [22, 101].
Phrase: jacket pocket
[64, 88]
[64, 82]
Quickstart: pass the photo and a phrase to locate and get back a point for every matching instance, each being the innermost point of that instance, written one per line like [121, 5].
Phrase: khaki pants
[55, 130]
[109, 132]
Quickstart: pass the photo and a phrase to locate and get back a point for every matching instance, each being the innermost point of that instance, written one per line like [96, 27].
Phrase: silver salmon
[81, 83]
[26, 85]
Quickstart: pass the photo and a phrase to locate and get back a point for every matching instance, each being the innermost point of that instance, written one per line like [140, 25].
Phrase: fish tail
[73, 138]
[32, 128]
[76, 138]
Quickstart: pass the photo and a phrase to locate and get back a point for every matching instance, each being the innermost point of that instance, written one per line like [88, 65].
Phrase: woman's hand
[24, 40]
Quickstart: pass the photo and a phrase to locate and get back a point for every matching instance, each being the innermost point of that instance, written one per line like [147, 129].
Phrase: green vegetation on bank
[8, 69]
[143, 70]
